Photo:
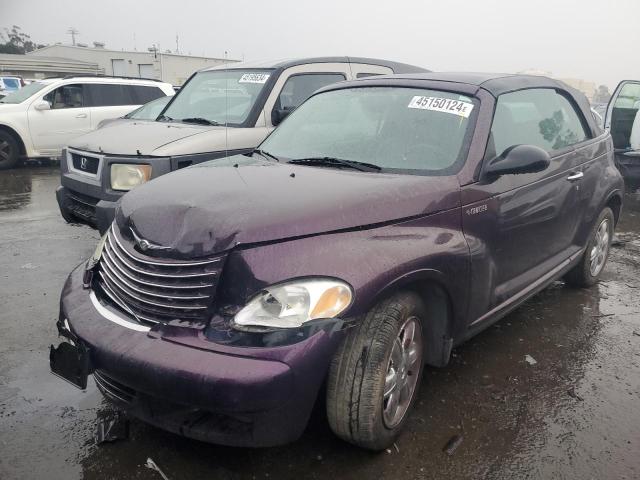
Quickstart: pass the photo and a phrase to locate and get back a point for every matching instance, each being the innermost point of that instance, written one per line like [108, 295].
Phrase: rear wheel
[9, 150]
[587, 272]
[376, 373]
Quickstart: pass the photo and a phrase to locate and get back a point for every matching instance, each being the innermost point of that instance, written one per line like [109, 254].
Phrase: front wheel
[9, 151]
[587, 272]
[375, 375]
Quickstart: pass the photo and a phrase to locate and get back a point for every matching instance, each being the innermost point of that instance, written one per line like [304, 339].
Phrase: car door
[68, 117]
[298, 83]
[623, 120]
[520, 228]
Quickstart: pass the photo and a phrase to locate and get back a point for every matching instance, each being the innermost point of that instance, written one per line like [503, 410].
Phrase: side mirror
[279, 114]
[42, 105]
[517, 160]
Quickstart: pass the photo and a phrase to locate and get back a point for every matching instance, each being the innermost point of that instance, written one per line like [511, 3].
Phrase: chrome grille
[153, 290]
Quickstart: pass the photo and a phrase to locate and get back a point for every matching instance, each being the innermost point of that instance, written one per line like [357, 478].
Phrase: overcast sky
[594, 40]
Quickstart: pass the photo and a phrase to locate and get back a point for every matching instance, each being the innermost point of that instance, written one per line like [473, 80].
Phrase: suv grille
[85, 163]
[154, 290]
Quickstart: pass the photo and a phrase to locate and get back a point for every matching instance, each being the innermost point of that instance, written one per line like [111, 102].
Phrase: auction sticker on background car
[446, 105]
[254, 78]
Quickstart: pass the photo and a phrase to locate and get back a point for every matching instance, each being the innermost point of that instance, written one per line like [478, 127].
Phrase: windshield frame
[258, 105]
[465, 146]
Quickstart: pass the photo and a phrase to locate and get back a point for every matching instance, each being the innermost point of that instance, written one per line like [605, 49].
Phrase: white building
[168, 67]
[41, 67]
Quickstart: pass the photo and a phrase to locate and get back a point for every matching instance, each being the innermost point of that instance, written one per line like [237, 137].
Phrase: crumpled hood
[147, 138]
[214, 206]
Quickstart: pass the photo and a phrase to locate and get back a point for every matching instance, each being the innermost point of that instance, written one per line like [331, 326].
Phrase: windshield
[149, 111]
[218, 96]
[24, 93]
[397, 129]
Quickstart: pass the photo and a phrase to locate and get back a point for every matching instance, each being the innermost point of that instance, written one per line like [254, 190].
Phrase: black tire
[582, 274]
[356, 382]
[9, 150]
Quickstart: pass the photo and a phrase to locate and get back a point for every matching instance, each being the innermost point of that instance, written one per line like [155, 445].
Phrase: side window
[109, 95]
[142, 94]
[67, 96]
[300, 87]
[541, 117]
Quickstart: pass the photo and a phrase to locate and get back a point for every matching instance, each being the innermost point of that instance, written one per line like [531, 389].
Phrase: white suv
[41, 118]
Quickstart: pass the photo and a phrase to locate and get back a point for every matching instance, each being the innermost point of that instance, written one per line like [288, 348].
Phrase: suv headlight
[291, 304]
[127, 176]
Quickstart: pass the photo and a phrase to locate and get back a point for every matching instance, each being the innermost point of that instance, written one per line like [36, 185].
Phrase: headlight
[290, 305]
[127, 176]
[95, 258]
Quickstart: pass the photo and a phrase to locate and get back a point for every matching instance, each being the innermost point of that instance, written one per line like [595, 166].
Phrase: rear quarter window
[144, 94]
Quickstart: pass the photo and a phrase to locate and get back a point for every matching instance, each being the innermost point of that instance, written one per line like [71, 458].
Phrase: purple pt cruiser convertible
[384, 222]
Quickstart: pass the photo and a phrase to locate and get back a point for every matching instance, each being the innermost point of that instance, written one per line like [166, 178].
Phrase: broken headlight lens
[127, 176]
[292, 304]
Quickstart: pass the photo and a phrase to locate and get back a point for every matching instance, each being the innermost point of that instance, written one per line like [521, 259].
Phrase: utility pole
[73, 32]
[177, 44]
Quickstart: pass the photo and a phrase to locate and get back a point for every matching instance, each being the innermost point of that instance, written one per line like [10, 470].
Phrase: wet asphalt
[573, 414]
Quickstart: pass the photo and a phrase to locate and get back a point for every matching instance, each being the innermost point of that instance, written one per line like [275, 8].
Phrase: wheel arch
[431, 286]
[11, 131]
[614, 202]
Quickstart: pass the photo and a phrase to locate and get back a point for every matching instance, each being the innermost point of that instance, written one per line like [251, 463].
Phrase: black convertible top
[494, 83]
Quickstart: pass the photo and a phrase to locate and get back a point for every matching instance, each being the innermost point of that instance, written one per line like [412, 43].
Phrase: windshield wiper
[265, 154]
[337, 162]
[164, 118]
[200, 120]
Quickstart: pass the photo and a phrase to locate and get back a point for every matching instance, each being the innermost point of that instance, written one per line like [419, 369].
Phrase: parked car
[148, 111]
[220, 110]
[623, 119]
[384, 222]
[43, 117]
[10, 84]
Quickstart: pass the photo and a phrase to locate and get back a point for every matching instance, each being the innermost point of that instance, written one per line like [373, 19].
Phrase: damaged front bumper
[176, 378]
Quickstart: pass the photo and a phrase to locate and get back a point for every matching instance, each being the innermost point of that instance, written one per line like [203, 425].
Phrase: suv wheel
[9, 151]
[586, 273]
[375, 375]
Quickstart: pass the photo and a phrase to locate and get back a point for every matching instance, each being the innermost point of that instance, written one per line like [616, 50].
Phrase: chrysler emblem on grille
[83, 163]
[145, 245]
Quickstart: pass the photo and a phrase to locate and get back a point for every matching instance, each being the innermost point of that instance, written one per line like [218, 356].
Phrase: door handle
[575, 176]
[81, 115]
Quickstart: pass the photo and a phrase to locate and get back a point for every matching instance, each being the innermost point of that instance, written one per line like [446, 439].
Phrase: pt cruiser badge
[145, 245]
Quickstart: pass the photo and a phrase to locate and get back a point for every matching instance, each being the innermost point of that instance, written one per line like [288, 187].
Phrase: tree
[602, 94]
[16, 41]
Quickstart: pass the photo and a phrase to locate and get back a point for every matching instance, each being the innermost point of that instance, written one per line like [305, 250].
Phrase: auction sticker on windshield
[254, 78]
[446, 105]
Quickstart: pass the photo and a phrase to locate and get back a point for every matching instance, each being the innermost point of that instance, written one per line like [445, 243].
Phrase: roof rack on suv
[109, 76]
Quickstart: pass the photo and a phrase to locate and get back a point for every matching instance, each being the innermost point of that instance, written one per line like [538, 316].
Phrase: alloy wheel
[5, 151]
[600, 249]
[402, 372]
